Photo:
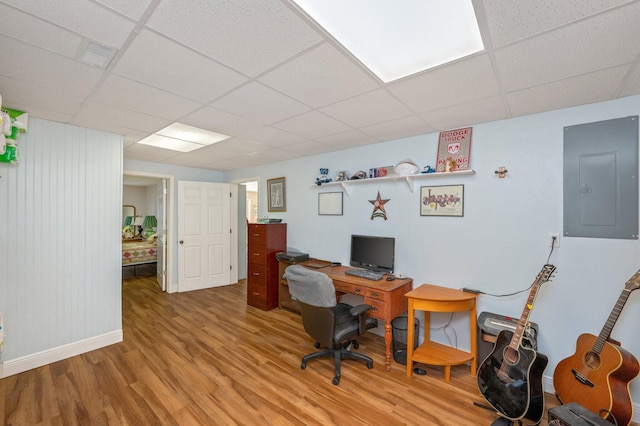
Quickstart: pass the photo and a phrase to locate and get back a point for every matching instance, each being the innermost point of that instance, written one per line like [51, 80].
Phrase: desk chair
[331, 324]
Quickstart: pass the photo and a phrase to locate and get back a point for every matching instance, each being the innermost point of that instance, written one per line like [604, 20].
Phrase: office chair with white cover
[333, 325]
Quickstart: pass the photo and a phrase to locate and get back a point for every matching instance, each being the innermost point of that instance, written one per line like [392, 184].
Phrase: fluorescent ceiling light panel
[183, 138]
[395, 39]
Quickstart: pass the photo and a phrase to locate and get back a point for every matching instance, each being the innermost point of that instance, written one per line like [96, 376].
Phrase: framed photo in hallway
[276, 194]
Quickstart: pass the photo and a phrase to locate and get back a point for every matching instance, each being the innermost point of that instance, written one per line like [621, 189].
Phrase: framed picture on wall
[443, 200]
[276, 194]
[330, 203]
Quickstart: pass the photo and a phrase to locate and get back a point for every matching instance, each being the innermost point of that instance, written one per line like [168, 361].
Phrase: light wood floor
[206, 358]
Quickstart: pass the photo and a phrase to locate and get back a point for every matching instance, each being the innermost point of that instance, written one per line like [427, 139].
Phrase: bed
[138, 252]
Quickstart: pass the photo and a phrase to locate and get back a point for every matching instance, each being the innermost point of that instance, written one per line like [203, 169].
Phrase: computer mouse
[391, 278]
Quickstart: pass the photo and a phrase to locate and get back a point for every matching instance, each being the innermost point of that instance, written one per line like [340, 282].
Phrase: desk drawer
[379, 308]
[257, 254]
[257, 234]
[257, 274]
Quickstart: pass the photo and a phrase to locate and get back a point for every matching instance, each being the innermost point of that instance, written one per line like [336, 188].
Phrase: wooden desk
[431, 298]
[386, 297]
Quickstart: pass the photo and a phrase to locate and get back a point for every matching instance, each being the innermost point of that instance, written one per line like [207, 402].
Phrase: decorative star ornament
[378, 207]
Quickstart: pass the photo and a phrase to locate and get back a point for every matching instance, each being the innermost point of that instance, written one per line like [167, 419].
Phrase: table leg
[387, 343]
[410, 338]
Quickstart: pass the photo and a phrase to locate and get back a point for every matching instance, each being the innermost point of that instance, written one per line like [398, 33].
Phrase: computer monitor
[373, 253]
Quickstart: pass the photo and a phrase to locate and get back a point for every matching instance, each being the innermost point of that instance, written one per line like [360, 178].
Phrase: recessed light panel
[183, 138]
[395, 39]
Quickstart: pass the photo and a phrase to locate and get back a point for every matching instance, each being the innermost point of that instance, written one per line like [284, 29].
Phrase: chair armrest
[356, 311]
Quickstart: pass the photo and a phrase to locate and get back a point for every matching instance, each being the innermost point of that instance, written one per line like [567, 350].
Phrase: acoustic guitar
[597, 376]
[510, 377]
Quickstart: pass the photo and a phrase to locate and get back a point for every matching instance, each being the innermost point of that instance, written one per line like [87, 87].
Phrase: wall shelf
[347, 184]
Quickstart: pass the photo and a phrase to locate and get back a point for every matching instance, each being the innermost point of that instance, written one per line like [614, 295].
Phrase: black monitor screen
[374, 253]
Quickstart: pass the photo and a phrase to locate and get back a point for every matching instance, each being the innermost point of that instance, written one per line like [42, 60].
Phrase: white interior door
[204, 235]
[161, 271]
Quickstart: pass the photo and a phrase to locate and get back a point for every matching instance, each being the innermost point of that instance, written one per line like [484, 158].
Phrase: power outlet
[554, 239]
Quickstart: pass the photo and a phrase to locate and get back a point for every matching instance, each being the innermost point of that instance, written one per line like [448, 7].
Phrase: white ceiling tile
[97, 115]
[271, 136]
[571, 50]
[632, 85]
[239, 145]
[80, 16]
[347, 139]
[219, 121]
[367, 109]
[260, 103]
[160, 62]
[555, 53]
[510, 20]
[249, 36]
[320, 76]
[478, 111]
[43, 68]
[307, 148]
[129, 94]
[50, 103]
[462, 81]
[400, 128]
[311, 125]
[20, 26]
[132, 9]
[569, 92]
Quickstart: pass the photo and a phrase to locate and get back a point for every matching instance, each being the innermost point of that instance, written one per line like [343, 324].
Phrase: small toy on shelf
[450, 165]
[342, 176]
[428, 169]
[324, 177]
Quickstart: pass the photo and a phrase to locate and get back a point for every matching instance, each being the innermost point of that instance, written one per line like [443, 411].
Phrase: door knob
[181, 241]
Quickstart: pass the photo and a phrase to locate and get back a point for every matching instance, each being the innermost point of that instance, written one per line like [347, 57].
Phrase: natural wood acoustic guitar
[597, 375]
[510, 377]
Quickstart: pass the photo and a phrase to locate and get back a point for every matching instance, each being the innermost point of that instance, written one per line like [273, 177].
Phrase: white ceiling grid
[265, 74]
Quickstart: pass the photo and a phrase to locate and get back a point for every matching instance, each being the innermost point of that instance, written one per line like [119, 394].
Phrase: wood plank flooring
[206, 358]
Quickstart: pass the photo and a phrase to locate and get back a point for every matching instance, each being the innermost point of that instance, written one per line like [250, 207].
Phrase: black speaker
[574, 414]
[490, 324]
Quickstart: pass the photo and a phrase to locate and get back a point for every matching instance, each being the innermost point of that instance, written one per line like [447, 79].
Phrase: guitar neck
[613, 318]
[542, 277]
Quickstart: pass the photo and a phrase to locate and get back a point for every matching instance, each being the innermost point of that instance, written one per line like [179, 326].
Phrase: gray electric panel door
[601, 179]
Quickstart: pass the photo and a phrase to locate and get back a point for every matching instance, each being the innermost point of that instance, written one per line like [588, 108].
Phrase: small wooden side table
[432, 298]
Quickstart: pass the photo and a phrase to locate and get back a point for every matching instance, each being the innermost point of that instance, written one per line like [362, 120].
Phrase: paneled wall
[60, 275]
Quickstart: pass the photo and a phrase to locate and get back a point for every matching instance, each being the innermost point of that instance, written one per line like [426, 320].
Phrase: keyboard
[364, 273]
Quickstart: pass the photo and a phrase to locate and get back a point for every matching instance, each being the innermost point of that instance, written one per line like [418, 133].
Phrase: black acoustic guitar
[510, 377]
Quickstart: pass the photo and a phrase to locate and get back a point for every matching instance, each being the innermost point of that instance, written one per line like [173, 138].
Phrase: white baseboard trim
[25, 363]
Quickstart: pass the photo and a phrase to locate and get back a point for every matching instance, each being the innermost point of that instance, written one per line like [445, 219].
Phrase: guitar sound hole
[511, 356]
[592, 360]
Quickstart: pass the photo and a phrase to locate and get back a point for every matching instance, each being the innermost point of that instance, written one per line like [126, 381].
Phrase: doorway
[152, 194]
[248, 209]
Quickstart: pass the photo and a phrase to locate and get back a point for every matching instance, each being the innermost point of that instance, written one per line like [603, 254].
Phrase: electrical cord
[553, 243]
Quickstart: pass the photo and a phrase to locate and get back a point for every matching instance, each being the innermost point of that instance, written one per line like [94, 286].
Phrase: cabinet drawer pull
[256, 273]
[357, 291]
[374, 294]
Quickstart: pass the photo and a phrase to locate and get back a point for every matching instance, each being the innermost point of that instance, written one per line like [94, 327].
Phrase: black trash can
[400, 333]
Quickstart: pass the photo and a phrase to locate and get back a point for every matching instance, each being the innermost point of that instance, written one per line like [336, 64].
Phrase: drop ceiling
[264, 73]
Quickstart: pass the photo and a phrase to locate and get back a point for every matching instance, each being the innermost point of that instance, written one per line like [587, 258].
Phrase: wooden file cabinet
[265, 240]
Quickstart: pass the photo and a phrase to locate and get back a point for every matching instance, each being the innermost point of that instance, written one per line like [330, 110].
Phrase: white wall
[500, 244]
[60, 277]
